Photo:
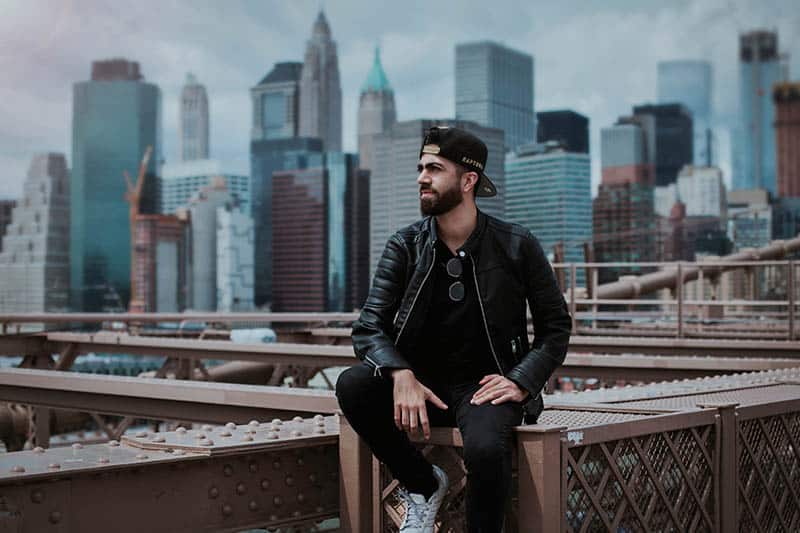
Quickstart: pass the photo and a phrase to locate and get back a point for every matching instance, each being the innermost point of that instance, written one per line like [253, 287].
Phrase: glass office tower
[115, 117]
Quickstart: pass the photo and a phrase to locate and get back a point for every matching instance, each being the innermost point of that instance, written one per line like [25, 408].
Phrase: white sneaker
[421, 514]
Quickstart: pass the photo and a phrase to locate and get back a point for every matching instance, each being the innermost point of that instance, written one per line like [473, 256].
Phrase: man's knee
[486, 452]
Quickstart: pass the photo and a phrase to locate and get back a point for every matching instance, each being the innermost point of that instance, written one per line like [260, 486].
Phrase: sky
[597, 58]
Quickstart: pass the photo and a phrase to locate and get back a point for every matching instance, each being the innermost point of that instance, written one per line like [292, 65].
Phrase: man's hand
[498, 389]
[409, 402]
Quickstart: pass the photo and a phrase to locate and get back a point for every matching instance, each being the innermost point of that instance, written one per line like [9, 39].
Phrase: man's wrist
[402, 373]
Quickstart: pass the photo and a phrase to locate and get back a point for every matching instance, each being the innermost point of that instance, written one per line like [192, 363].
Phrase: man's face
[439, 185]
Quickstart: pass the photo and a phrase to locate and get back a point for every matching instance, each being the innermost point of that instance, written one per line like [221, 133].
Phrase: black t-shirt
[453, 343]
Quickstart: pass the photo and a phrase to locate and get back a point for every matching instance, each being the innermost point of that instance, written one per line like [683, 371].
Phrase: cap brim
[485, 188]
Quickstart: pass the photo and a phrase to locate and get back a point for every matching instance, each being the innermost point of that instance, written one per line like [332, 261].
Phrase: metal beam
[159, 399]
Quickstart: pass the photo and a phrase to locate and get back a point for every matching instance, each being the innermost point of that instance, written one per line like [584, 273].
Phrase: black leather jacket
[510, 269]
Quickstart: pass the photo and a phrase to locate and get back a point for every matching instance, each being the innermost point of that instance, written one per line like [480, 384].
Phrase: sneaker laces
[415, 511]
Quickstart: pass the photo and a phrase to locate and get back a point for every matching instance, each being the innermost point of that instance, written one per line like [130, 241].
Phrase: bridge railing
[745, 299]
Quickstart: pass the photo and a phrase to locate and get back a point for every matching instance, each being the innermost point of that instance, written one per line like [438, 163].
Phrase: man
[443, 337]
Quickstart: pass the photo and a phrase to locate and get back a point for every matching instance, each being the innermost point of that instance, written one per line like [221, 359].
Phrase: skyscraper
[787, 133]
[194, 120]
[376, 110]
[623, 218]
[274, 146]
[320, 89]
[34, 263]
[568, 128]
[312, 270]
[759, 71]
[276, 101]
[267, 157]
[494, 88]
[689, 83]
[394, 192]
[668, 138]
[116, 116]
[548, 190]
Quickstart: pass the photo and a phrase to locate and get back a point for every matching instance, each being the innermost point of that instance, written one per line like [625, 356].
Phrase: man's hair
[460, 171]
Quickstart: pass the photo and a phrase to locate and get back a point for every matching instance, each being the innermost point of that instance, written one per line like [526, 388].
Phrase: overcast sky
[598, 58]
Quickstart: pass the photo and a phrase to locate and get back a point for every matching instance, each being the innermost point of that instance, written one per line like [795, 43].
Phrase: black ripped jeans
[487, 430]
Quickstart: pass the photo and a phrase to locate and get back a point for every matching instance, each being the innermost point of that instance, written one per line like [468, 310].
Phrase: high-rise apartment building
[568, 128]
[179, 181]
[394, 192]
[787, 133]
[34, 263]
[320, 89]
[115, 117]
[689, 83]
[376, 110]
[668, 138]
[194, 120]
[759, 71]
[548, 190]
[495, 88]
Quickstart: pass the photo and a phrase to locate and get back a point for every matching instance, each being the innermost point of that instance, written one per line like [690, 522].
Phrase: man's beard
[440, 202]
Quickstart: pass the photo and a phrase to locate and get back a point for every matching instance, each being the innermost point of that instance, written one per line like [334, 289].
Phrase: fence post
[790, 293]
[355, 480]
[727, 485]
[573, 307]
[539, 471]
[679, 295]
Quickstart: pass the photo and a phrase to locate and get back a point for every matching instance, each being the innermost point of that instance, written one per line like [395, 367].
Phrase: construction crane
[133, 196]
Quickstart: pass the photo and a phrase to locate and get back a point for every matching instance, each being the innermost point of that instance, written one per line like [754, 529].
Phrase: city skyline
[600, 78]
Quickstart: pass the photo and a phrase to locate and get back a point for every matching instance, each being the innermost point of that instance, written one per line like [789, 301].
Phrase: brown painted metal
[266, 483]
[355, 486]
[159, 399]
[540, 472]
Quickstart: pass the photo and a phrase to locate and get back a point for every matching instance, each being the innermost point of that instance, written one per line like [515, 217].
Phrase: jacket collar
[471, 244]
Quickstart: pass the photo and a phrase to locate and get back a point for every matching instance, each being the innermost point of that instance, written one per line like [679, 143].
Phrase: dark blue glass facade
[113, 124]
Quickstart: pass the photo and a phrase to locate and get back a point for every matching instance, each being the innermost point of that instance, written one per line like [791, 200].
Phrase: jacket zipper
[483, 315]
[414, 301]
[410, 309]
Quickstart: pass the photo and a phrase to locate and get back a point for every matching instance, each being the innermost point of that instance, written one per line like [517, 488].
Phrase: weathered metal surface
[677, 388]
[265, 483]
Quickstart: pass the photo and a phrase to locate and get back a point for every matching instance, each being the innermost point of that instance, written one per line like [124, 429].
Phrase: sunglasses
[455, 269]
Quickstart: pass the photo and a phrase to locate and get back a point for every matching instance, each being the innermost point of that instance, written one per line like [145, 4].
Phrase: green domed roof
[376, 79]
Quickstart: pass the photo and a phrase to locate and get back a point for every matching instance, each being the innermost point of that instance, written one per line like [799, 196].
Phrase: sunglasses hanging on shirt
[455, 269]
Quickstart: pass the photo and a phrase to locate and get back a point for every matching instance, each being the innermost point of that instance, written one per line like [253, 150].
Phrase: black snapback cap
[462, 147]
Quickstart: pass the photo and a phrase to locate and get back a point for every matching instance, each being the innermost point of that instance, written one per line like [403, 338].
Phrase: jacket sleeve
[552, 324]
[373, 338]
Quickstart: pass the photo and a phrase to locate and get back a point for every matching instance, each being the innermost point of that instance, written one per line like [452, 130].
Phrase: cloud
[597, 58]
